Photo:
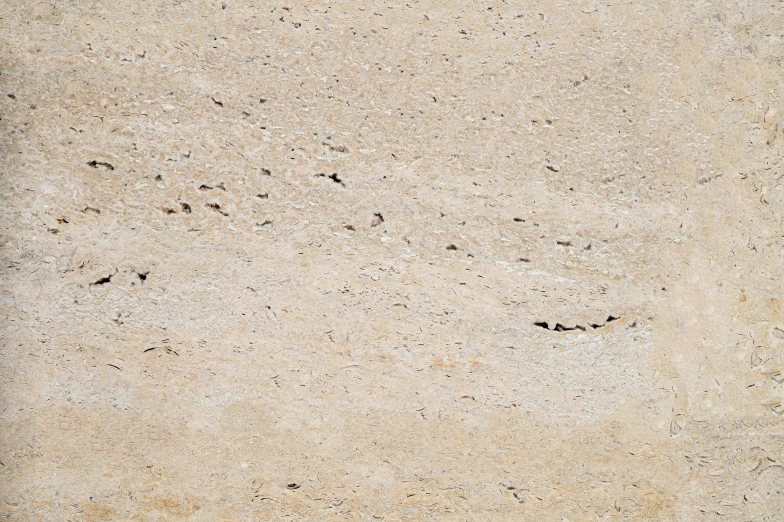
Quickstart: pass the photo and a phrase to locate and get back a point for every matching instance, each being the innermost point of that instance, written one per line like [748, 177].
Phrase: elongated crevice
[582, 328]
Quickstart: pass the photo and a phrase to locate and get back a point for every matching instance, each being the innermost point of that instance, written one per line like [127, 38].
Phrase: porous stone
[376, 260]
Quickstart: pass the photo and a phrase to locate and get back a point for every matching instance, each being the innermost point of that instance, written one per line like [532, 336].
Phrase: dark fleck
[143, 275]
[13, 97]
[205, 187]
[102, 281]
[334, 177]
[377, 220]
[451, 247]
[185, 208]
[95, 164]
[263, 196]
[293, 486]
[266, 172]
[335, 148]
[217, 207]
[519, 220]
[218, 103]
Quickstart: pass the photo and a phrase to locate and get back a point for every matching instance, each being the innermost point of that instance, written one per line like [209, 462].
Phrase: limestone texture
[391, 260]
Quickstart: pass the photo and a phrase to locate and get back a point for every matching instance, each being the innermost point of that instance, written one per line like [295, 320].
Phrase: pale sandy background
[268, 261]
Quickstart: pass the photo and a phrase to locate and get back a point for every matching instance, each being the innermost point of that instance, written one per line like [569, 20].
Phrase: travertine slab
[392, 260]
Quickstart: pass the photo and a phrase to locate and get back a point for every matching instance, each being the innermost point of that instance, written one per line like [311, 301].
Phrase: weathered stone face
[488, 261]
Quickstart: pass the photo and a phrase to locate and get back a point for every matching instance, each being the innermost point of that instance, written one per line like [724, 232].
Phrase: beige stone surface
[391, 260]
